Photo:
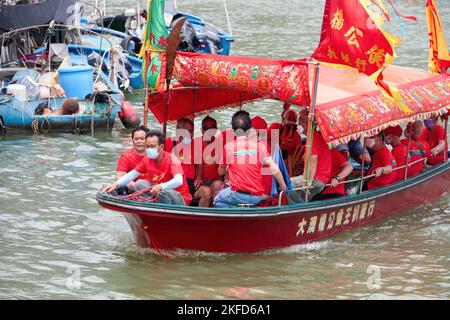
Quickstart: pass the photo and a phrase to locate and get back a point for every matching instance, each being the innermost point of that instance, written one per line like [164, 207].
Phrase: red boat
[339, 92]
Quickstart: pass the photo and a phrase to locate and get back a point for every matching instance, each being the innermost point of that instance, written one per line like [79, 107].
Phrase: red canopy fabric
[193, 101]
[350, 105]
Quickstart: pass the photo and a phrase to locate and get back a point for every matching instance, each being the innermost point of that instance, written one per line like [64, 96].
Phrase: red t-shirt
[320, 148]
[128, 161]
[381, 158]
[433, 138]
[244, 158]
[165, 171]
[182, 153]
[400, 154]
[417, 150]
[209, 159]
[337, 162]
[287, 143]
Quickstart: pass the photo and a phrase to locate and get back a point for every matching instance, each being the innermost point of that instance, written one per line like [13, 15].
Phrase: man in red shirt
[319, 166]
[434, 134]
[243, 159]
[163, 171]
[182, 147]
[399, 150]
[131, 158]
[340, 169]
[382, 163]
[207, 179]
[418, 148]
[289, 139]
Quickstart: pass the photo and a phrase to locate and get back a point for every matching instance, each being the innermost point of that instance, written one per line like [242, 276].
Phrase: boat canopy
[209, 82]
[26, 15]
[349, 104]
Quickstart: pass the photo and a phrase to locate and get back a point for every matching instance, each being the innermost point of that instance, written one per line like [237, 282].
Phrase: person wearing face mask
[382, 163]
[319, 166]
[418, 149]
[182, 147]
[434, 134]
[207, 180]
[399, 150]
[131, 158]
[163, 174]
[289, 139]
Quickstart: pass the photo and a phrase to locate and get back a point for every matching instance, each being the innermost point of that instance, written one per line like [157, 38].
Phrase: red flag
[352, 37]
[439, 57]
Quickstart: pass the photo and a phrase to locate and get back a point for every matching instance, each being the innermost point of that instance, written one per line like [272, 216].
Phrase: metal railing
[352, 180]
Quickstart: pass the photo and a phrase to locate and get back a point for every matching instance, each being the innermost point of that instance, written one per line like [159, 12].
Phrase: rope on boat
[38, 129]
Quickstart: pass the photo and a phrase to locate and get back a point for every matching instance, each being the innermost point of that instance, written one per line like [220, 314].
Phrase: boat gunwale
[274, 211]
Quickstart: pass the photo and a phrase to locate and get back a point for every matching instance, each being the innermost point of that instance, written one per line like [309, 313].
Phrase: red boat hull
[249, 231]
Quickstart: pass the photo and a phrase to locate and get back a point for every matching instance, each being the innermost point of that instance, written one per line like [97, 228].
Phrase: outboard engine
[212, 40]
[188, 37]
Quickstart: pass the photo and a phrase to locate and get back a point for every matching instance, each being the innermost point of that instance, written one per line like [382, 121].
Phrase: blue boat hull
[18, 116]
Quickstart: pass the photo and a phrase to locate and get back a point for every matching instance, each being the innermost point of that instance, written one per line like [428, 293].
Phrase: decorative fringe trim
[371, 132]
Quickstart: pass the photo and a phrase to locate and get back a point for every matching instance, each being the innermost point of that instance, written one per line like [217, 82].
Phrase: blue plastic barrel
[76, 81]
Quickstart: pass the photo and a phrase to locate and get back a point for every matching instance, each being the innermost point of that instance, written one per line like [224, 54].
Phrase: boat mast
[228, 17]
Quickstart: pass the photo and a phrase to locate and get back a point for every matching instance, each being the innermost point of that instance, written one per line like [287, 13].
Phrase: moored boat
[39, 69]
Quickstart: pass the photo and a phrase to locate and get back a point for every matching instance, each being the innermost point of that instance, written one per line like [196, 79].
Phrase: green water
[52, 231]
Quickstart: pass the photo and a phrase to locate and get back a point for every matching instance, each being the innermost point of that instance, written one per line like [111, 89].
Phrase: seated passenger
[418, 149]
[288, 138]
[340, 169]
[207, 180]
[434, 134]
[131, 158]
[242, 159]
[382, 164]
[399, 150]
[358, 152]
[183, 148]
[163, 174]
[319, 167]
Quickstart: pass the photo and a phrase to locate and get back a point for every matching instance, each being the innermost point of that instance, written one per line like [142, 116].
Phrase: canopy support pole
[362, 164]
[407, 157]
[310, 126]
[446, 139]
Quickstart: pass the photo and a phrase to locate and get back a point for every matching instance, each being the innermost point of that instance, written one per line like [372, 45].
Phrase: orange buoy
[128, 115]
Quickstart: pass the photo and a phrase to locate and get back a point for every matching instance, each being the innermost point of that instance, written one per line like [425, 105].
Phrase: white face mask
[370, 143]
[388, 140]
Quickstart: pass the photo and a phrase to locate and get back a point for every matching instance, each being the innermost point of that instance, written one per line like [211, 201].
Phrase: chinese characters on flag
[351, 36]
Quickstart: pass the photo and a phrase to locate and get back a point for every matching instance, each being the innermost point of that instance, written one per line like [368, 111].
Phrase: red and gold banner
[282, 80]
[274, 79]
[367, 114]
[439, 58]
[352, 37]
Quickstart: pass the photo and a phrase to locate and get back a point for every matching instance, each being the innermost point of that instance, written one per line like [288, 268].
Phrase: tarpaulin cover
[26, 15]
